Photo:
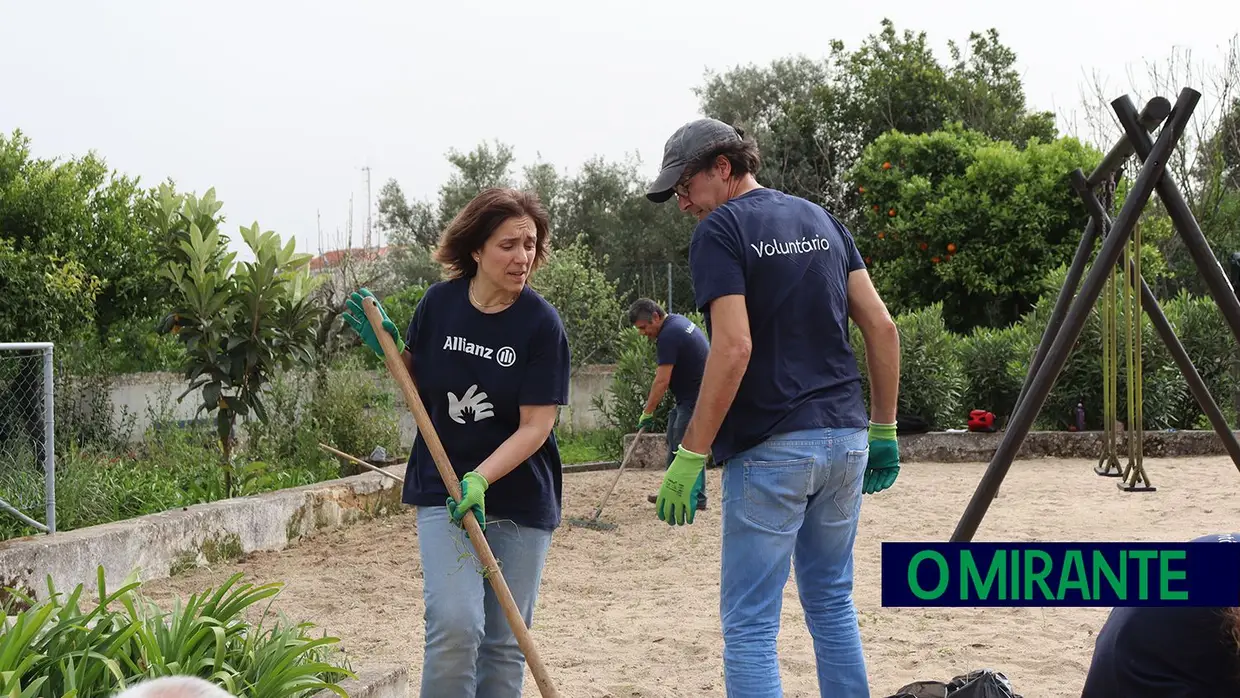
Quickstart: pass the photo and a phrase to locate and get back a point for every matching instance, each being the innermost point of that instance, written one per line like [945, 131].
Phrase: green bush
[994, 369]
[622, 405]
[350, 409]
[57, 647]
[945, 375]
[931, 377]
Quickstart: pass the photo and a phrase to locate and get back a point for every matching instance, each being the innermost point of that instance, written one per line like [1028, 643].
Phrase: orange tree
[955, 217]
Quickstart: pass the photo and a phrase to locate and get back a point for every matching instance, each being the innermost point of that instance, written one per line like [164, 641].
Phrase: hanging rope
[1108, 462]
[1134, 477]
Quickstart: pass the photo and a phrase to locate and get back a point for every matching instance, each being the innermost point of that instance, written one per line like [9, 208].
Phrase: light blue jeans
[796, 496]
[470, 650]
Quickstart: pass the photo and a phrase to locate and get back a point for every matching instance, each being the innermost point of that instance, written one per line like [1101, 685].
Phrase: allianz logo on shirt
[505, 356]
[786, 247]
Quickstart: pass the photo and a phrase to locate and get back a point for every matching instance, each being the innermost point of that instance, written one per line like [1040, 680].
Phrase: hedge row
[946, 375]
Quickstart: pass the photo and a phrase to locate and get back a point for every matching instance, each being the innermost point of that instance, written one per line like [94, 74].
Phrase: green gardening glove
[356, 317]
[677, 500]
[473, 489]
[644, 420]
[884, 464]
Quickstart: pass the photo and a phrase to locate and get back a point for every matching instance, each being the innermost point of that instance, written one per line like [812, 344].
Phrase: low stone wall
[972, 447]
[163, 544]
[381, 681]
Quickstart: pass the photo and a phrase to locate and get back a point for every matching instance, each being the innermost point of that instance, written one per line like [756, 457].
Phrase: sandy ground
[606, 628]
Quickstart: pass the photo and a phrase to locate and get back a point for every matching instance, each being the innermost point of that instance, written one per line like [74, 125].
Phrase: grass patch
[589, 446]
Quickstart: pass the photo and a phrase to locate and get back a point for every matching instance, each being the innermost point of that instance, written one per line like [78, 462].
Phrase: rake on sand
[396, 367]
[593, 522]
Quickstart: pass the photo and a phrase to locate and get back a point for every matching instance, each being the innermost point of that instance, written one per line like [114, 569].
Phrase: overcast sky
[279, 105]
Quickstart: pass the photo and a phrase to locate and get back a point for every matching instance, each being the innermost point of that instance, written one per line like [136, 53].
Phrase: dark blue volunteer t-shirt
[684, 346]
[791, 259]
[473, 371]
[1151, 652]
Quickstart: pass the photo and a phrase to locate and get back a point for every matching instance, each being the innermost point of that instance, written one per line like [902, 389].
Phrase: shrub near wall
[945, 375]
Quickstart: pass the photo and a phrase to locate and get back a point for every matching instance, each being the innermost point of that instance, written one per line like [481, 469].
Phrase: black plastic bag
[983, 683]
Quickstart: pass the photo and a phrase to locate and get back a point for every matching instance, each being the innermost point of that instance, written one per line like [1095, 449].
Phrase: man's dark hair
[742, 155]
[644, 309]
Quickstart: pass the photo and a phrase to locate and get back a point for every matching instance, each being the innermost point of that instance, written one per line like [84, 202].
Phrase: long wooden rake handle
[427, 431]
[359, 461]
[599, 511]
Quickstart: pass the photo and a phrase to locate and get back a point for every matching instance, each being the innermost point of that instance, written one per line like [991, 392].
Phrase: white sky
[279, 105]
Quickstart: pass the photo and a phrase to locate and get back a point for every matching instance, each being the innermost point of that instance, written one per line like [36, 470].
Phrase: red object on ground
[981, 420]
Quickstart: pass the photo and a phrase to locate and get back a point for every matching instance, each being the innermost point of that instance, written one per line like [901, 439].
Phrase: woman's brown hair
[472, 226]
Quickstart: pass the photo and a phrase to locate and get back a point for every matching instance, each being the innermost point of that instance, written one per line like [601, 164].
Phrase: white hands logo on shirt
[472, 402]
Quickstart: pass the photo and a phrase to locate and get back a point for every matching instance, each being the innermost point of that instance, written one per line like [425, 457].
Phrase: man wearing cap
[780, 407]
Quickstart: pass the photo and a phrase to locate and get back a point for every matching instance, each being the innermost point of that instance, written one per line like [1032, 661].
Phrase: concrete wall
[139, 399]
[163, 544]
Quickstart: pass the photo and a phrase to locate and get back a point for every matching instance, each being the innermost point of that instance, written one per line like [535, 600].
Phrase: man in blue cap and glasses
[780, 405]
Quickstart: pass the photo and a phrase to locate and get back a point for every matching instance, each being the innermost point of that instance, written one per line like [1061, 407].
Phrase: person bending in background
[491, 361]
[781, 406]
[681, 358]
[1168, 652]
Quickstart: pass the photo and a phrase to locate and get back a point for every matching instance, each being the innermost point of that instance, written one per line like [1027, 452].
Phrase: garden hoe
[359, 461]
[391, 357]
[594, 522]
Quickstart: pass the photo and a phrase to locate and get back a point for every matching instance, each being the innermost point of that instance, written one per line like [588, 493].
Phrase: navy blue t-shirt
[1171, 652]
[474, 371]
[684, 346]
[791, 259]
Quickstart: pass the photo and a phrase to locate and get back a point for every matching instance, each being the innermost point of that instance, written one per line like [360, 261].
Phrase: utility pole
[318, 215]
[366, 169]
[349, 227]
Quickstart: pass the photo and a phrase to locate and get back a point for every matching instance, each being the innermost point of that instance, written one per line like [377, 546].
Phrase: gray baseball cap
[687, 144]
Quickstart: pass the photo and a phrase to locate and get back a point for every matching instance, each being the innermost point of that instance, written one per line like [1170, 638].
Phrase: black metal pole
[1063, 341]
[1155, 111]
[1162, 326]
[1216, 279]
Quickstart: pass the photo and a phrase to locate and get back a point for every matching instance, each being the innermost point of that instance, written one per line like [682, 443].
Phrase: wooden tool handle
[426, 430]
[361, 462]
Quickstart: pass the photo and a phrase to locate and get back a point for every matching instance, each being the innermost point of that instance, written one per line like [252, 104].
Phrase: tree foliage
[585, 299]
[956, 218]
[812, 119]
[75, 257]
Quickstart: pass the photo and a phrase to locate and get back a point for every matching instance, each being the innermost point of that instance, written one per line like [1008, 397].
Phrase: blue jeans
[470, 650]
[794, 496]
[677, 422]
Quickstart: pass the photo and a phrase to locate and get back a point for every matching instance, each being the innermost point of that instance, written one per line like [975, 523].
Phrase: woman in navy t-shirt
[491, 361]
[1167, 652]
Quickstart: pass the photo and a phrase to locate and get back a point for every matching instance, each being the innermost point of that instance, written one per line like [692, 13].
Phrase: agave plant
[54, 648]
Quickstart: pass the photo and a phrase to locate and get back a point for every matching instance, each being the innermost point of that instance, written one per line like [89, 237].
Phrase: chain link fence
[27, 434]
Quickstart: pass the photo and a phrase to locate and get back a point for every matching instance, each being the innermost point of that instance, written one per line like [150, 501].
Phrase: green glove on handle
[356, 317]
[473, 487]
[645, 419]
[677, 500]
[884, 464]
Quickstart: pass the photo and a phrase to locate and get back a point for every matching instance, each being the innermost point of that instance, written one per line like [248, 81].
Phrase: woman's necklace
[480, 306]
